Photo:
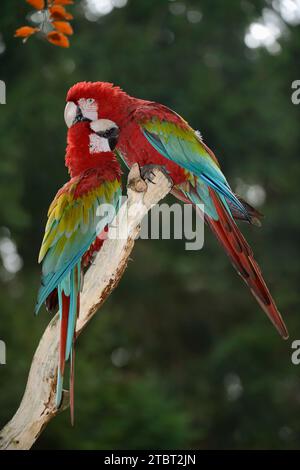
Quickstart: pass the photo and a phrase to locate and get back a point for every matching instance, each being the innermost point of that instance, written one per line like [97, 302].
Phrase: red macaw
[152, 134]
[74, 222]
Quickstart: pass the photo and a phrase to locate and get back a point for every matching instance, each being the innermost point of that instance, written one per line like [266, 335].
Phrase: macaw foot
[148, 174]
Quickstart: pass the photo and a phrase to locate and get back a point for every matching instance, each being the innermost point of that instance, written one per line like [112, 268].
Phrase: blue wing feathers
[177, 149]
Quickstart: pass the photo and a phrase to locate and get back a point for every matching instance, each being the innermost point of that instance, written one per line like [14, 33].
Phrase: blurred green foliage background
[181, 355]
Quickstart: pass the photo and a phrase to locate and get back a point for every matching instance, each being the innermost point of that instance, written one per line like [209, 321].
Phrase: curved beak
[70, 113]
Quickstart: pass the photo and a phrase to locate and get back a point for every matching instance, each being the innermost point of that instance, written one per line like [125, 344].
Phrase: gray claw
[147, 172]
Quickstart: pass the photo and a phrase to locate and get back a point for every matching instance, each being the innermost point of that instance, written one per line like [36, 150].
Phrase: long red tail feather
[243, 260]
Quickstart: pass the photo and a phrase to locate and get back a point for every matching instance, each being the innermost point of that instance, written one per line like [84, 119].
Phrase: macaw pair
[152, 135]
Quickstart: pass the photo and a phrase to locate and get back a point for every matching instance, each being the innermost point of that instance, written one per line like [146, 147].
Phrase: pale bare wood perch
[37, 407]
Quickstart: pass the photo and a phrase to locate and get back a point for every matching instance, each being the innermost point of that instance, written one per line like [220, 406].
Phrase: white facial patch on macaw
[100, 137]
[98, 144]
[103, 125]
[89, 108]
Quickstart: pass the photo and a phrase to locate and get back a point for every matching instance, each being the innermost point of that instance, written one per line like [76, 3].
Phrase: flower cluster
[53, 22]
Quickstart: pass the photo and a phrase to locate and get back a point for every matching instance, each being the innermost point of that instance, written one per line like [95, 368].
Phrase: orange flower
[62, 2]
[58, 39]
[25, 32]
[63, 27]
[58, 12]
[38, 4]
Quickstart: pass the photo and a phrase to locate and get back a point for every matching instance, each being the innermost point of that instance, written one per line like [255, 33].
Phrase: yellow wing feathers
[69, 212]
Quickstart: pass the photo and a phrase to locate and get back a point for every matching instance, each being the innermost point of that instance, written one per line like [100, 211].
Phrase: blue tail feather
[74, 289]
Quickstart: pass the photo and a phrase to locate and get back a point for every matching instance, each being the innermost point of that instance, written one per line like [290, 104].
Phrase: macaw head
[84, 109]
[95, 100]
[90, 144]
[102, 134]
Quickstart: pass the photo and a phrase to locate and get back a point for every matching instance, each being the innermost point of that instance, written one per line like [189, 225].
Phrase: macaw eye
[90, 100]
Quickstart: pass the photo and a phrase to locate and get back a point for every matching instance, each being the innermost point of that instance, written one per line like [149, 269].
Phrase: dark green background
[202, 367]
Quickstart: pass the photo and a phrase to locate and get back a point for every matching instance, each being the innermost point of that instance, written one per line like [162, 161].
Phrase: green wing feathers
[178, 142]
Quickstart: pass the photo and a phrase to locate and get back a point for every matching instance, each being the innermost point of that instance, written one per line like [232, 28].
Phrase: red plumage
[120, 108]
[241, 256]
[79, 159]
[128, 112]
